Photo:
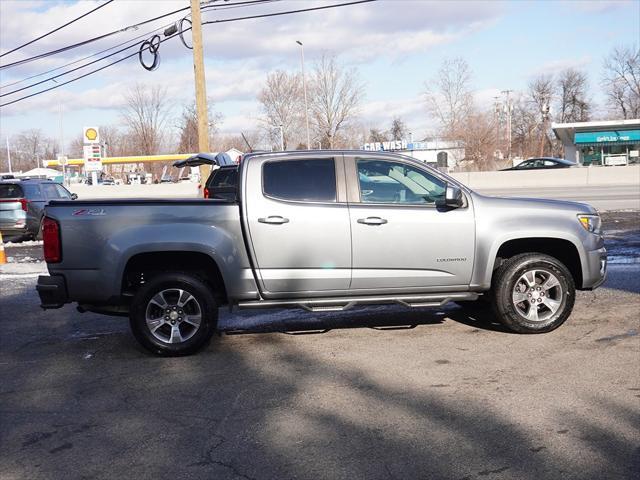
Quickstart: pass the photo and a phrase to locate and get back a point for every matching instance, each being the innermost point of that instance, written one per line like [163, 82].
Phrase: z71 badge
[89, 211]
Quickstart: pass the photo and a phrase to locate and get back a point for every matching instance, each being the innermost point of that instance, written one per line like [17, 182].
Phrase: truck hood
[533, 204]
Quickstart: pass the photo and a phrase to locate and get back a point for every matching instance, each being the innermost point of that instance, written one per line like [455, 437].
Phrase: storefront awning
[605, 144]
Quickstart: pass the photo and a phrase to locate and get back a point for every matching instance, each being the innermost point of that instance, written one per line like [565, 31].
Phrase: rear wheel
[174, 314]
[533, 293]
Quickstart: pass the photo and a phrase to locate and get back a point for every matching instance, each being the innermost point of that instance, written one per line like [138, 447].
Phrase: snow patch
[9, 270]
[27, 243]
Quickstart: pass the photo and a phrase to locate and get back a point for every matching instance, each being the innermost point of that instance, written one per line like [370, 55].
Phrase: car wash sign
[612, 136]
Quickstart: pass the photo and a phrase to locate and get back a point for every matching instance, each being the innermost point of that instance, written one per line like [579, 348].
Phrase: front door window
[384, 181]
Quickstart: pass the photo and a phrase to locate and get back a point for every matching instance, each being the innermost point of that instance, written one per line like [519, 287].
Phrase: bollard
[3, 256]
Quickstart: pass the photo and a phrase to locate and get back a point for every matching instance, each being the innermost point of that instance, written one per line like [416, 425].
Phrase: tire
[532, 279]
[182, 313]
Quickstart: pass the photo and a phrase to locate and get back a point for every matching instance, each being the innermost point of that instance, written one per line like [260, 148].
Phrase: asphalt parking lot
[377, 392]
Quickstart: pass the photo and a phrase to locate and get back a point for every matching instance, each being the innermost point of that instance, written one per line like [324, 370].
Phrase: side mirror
[74, 196]
[452, 197]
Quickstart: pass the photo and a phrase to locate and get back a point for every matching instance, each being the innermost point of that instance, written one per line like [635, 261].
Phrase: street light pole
[9, 155]
[509, 108]
[201, 89]
[304, 87]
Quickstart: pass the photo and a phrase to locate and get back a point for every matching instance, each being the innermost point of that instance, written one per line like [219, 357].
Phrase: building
[610, 142]
[442, 154]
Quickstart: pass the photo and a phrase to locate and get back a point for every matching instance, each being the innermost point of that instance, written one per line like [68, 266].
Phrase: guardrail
[569, 177]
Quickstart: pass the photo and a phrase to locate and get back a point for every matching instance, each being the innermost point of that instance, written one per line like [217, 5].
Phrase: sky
[397, 46]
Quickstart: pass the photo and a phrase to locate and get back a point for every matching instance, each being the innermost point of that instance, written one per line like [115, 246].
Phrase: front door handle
[372, 221]
[274, 220]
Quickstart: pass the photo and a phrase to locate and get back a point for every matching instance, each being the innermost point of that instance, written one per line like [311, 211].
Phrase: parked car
[542, 163]
[322, 231]
[22, 205]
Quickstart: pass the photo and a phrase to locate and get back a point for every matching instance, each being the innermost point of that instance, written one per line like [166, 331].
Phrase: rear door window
[223, 184]
[224, 178]
[63, 192]
[309, 180]
[10, 190]
[50, 191]
[32, 191]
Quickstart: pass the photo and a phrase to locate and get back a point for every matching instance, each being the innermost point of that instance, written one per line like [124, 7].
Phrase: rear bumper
[9, 231]
[52, 291]
[595, 271]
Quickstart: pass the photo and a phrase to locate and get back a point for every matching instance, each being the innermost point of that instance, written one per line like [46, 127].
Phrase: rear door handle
[274, 220]
[372, 221]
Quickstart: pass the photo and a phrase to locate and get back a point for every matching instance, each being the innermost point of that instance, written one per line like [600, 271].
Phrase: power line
[276, 14]
[91, 40]
[58, 85]
[214, 7]
[130, 27]
[85, 58]
[86, 64]
[56, 29]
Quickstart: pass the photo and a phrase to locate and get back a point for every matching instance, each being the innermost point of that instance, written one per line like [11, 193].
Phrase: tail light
[51, 240]
[206, 193]
[24, 203]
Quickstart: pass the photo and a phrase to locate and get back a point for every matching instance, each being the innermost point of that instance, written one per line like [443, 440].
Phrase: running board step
[339, 304]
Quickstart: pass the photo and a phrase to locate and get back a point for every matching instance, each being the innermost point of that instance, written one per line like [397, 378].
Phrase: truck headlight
[591, 223]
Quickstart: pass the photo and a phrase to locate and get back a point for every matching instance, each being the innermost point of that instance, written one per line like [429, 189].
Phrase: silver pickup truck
[322, 231]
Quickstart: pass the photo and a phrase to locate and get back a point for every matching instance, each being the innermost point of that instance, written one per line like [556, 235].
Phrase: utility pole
[201, 87]
[545, 118]
[281, 127]
[304, 87]
[509, 111]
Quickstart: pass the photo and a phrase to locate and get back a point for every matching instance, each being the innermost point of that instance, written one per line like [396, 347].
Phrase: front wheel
[174, 314]
[533, 293]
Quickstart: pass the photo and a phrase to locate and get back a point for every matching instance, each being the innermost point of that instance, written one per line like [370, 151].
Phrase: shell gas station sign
[90, 135]
[92, 150]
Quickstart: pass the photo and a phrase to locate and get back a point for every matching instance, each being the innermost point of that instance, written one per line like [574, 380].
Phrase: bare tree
[145, 114]
[398, 130]
[479, 141]
[255, 139]
[336, 95]
[542, 93]
[377, 135]
[525, 126]
[622, 81]
[188, 128]
[573, 105]
[282, 104]
[449, 96]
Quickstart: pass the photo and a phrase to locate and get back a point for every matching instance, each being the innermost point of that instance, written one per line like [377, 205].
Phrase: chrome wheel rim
[173, 315]
[537, 295]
